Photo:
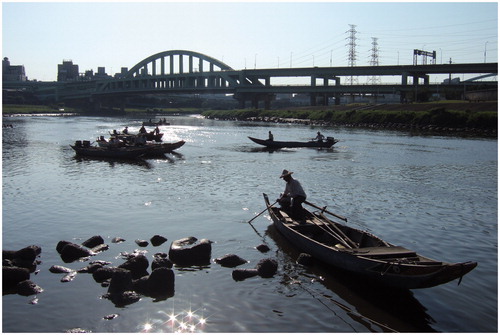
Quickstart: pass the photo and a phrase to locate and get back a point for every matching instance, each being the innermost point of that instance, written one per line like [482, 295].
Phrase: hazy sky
[39, 35]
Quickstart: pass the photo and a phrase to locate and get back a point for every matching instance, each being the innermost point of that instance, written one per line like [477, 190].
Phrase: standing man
[293, 196]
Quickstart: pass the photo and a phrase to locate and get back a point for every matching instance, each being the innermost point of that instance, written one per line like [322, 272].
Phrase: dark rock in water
[110, 317]
[262, 248]
[267, 267]
[161, 261]
[94, 241]
[91, 268]
[24, 257]
[61, 245]
[161, 283]
[13, 275]
[137, 265]
[27, 288]
[69, 277]
[77, 330]
[142, 243]
[190, 251]
[230, 261]
[121, 281]
[305, 259]
[71, 252]
[99, 248]
[117, 240]
[141, 285]
[60, 269]
[158, 240]
[125, 298]
[242, 274]
[104, 273]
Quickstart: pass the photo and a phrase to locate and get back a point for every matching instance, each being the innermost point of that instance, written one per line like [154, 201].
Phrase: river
[434, 194]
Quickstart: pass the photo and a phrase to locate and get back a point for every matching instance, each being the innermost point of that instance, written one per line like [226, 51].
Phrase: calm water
[437, 195]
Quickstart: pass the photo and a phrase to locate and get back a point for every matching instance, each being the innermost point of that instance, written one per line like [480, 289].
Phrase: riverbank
[477, 118]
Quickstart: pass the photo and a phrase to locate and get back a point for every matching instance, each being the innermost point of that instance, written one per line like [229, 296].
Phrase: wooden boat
[156, 149]
[85, 149]
[150, 136]
[330, 141]
[361, 252]
[154, 124]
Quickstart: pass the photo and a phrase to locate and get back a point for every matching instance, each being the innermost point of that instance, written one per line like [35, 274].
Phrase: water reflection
[185, 321]
[113, 162]
[372, 306]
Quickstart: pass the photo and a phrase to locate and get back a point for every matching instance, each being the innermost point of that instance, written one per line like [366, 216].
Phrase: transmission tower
[351, 57]
[374, 61]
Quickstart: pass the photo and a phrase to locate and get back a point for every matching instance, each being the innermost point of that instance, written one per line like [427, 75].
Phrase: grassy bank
[436, 115]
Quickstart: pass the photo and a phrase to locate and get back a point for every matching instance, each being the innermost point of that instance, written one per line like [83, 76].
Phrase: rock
[69, 277]
[157, 240]
[242, 274]
[104, 273]
[161, 261]
[124, 298]
[161, 283]
[71, 252]
[117, 240]
[110, 316]
[94, 241]
[137, 265]
[141, 285]
[27, 288]
[121, 281]
[142, 243]
[262, 248]
[267, 267]
[305, 259]
[99, 248]
[61, 245]
[190, 251]
[91, 268]
[230, 261]
[24, 257]
[13, 275]
[60, 269]
[77, 330]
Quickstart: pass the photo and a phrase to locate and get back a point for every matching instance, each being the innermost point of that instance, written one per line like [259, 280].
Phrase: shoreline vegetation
[446, 117]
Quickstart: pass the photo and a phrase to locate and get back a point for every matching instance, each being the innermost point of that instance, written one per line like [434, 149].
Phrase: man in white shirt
[293, 196]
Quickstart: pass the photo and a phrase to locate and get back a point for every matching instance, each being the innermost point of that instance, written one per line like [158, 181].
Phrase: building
[12, 72]
[67, 71]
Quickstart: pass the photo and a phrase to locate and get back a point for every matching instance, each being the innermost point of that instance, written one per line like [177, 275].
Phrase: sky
[40, 35]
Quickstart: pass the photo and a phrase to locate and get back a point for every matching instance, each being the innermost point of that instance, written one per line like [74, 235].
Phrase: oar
[323, 209]
[262, 211]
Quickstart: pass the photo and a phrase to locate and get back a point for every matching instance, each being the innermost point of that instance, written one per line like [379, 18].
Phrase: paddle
[262, 212]
[323, 209]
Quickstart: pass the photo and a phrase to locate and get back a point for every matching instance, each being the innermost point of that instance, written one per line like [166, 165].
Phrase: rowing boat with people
[328, 143]
[361, 252]
[85, 149]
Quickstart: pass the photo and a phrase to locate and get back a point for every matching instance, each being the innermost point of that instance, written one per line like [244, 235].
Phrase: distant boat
[85, 149]
[330, 141]
[361, 252]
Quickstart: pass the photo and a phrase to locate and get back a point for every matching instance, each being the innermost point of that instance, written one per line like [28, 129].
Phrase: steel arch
[161, 55]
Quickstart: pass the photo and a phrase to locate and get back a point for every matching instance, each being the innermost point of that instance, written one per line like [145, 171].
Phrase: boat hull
[291, 144]
[381, 263]
[110, 152]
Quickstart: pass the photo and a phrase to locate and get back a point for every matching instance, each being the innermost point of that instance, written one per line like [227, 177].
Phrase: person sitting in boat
[271, 137]
[293, 196]
[125, 131]
[319, 137]
[143, 130]
[115, 141]
[156, 131]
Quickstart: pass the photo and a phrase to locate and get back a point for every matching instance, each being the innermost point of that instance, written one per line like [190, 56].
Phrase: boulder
[125, 298]
[262, 248]
[94, 241]
[137, 265]
[24, 257]
[230, 261]
[140, 285]
[121, 281]
[71, 252]
[242, 274]
[158, 240]
[161, 283]
[60, 269]
[99, 248]
[267, 267]
[161, 261]
[104, 273]
[68, 277]
[13, 275]
[189, 251]
[117, 240]
[142, 243]
[27, 288]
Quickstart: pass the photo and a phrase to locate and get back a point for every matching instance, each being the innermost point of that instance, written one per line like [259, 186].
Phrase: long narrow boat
[109, 152]
[162, 148]
[361, 252]
[330, 141]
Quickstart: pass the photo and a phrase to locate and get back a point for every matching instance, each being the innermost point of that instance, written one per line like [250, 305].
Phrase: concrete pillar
[171, 64]
[181, 64]
[163, 66]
